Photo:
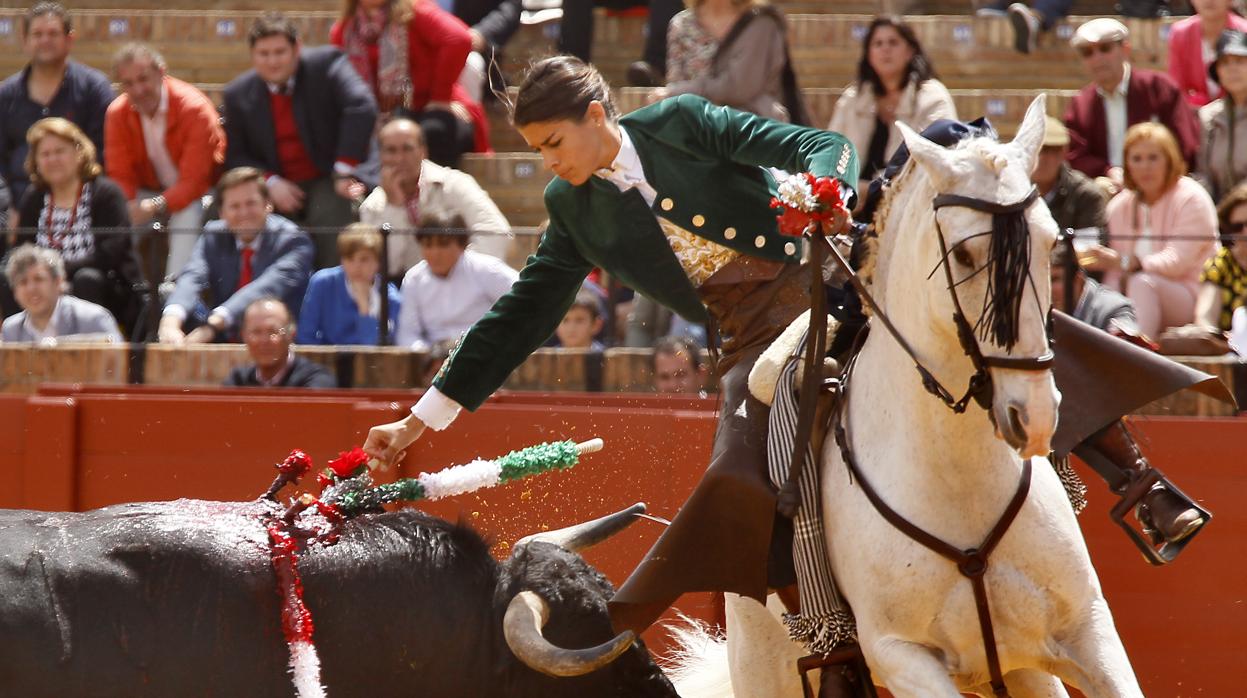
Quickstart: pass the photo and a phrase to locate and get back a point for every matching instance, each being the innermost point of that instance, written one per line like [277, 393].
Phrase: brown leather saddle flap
[1102, 378]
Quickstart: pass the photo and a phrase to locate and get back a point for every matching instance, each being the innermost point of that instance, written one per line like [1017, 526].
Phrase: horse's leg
[1094, 661]
[761, 657]
[1033, 683]
[910, 670]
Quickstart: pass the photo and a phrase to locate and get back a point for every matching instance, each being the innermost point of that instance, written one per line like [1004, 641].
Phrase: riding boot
[1166, 514]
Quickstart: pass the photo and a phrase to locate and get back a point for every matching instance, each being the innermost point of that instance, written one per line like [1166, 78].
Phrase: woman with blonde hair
[70, 207]
[411, 54]
[1162, 227]
[734, 53]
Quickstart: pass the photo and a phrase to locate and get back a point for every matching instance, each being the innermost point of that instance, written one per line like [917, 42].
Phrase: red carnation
[349, 462]
[296, 464]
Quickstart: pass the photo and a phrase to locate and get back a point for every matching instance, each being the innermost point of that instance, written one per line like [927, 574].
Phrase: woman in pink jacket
[1193, 47]
[1162, 227]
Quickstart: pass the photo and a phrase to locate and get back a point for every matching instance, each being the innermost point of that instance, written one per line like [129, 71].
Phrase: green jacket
[706, 163]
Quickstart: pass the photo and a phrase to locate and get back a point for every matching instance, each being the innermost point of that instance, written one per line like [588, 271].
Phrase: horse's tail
[698, 663]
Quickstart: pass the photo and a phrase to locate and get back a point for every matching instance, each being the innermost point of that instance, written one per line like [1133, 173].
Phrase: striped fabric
[825, 620]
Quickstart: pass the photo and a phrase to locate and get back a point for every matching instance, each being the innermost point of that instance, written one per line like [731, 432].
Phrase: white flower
[794, 192]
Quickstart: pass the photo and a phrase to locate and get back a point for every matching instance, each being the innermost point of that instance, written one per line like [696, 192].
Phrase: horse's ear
[931, 156]
[1030, 134]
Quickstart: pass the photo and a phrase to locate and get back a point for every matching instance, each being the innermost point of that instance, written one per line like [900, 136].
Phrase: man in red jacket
[1118, 97]
[165, 146]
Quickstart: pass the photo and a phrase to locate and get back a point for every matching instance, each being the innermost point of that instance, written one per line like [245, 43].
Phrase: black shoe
[642, 74]
[1025, 27]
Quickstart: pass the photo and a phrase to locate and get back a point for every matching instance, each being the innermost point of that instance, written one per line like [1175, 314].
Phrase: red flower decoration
[823, 200]
[349, 462]
[296, 464]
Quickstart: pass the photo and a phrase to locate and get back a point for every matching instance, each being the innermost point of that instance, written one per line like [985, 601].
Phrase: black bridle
[980, 386]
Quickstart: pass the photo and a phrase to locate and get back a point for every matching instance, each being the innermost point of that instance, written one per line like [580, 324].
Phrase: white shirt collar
[273, 87]
[1122, 87]
[52, 326]
[625, 170]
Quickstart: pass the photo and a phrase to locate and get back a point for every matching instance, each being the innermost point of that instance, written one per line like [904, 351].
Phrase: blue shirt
[331, 316]
[83, 98]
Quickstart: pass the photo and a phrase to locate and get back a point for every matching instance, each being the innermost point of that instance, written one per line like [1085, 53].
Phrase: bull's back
[159, 599]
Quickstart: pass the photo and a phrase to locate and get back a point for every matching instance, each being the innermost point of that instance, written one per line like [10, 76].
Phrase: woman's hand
[1099, 258]
[388, 442]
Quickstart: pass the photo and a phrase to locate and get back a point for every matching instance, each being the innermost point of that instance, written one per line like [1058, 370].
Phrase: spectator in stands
[581, 324]
[268, 331]
[305, 119]
[1074, 200]
[165, 146]
[250, 253]
[576, 35]
[343, 303]
[411, 55]
[735, 53]
[1223, 153]
[491, 24]
[1096, 304]
[6, 205]
[415, 190]
[1223, 281]
[72, 208]
[50, 85]
[1029, 20]
[895, 82]
[37, 277]
[450, 289]
[1162, 227]
[678, 367]
[1193, 48]
[1118, 97]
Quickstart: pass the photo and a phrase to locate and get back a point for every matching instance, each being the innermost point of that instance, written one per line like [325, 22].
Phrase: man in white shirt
[449, 290]
[415, 191]
[1118, 97]
[165, 145]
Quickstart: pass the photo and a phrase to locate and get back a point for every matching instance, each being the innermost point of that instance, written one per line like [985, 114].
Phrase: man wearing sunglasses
[1118, 97]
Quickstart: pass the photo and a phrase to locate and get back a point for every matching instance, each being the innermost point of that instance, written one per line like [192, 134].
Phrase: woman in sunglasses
[1223, 282]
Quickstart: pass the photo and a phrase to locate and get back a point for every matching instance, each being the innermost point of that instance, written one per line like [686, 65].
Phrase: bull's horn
[527, 615]
[585, 535]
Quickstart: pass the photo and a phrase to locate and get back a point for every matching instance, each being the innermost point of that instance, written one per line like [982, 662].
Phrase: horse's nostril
[1016, 423]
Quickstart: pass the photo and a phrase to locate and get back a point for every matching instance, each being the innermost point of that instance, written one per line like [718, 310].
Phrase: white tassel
[460, 479]
[305, 664]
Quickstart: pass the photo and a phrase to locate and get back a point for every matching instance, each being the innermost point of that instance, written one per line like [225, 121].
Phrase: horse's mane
[1008, 262]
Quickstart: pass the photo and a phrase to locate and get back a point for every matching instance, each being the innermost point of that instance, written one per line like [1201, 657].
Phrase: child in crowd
[581, 324]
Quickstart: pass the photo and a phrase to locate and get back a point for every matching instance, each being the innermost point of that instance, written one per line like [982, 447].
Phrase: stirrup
[850, 659]
[1138, 488]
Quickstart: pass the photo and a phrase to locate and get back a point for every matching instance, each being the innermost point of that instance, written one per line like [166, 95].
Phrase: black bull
[180, 599]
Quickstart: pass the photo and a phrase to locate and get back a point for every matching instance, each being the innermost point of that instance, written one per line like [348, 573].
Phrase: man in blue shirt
[50, 85]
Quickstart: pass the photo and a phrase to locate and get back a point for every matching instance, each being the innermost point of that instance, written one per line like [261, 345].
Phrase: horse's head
[976, 222]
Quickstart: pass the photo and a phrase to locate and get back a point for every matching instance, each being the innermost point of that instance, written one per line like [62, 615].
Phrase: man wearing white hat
[1118, 97]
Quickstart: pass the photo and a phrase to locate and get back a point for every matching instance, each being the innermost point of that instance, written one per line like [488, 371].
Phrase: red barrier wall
[1185, 625]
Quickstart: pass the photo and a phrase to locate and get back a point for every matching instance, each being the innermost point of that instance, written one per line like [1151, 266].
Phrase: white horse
[950, 474]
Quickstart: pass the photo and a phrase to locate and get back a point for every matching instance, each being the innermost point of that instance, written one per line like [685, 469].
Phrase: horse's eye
[963, 257]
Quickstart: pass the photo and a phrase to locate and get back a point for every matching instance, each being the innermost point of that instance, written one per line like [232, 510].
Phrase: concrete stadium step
[516, 180]
[1005, 109]
[209, 45]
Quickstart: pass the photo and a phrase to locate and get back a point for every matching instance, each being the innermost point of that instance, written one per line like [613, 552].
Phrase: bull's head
[527, 613]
